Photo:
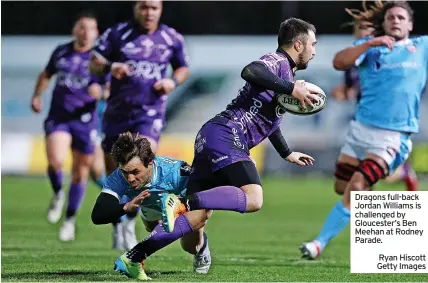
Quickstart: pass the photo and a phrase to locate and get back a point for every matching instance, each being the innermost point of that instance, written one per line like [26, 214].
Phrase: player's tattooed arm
[258, 74]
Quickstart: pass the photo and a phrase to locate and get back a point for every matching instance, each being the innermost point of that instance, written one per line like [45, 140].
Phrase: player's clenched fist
[120, 70]
[37, 104]
[135, 203]
[164, 86]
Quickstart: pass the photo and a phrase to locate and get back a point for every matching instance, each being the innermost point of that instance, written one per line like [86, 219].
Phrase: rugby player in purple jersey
[223, 176]
[137, 53]
[72, 121]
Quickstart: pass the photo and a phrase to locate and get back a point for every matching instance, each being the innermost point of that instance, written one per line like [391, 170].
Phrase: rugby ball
[292, 105]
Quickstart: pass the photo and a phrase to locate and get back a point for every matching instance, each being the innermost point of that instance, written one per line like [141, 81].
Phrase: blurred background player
[142, 176]
[72, 121]
[351, 90]
[378, 141]
[98, 169]
[137, 54]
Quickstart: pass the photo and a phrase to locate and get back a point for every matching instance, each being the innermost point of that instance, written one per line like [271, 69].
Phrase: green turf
[255, 247]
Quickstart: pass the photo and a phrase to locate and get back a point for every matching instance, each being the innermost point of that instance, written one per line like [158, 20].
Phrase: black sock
[191, 202]
[204, 246]
[70, 213]
[132, 214]
[137, 254]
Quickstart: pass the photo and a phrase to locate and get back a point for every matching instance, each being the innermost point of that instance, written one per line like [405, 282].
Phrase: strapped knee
[371, 170]
[344, 171]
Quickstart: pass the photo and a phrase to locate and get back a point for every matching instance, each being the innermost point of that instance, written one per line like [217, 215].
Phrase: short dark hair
[85, 14]
[130, 145]
[293, 29]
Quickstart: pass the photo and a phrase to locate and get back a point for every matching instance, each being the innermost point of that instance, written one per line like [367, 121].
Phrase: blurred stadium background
[221, 38]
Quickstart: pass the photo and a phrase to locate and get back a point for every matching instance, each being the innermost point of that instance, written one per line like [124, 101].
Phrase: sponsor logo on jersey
[236, 140]
[145, 69]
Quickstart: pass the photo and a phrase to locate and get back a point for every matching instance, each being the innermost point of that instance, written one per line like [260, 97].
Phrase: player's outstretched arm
[346, 58]
[107, 209]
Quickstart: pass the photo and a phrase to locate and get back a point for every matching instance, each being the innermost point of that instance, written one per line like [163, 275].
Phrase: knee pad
[371, 170]
[344, 171]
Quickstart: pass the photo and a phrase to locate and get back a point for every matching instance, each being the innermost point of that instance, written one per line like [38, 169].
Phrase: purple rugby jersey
[133, 98]
[72, 109]
[352, 79]
[247, 121]
[255, 110]
[70, 97]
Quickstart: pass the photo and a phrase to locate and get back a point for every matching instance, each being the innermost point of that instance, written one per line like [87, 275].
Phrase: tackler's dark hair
[130, 145]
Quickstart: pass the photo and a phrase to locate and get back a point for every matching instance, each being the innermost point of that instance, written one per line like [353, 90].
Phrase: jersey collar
[403, 42]
[292, 63]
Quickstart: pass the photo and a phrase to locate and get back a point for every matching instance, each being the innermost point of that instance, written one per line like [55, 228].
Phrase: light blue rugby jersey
[169, 175]
[392, 82]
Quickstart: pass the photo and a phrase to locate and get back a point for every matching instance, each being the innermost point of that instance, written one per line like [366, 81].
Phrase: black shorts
[238, 174]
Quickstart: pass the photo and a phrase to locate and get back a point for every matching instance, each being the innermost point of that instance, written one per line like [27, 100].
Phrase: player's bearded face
[148, 13]
[307, 53]
[136, 173]
[397, 23]
[85, 32]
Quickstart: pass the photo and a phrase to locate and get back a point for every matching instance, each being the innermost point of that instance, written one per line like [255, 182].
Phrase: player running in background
[351, 90]
[72, 121]
[98, 170]
[142, 176]
[223, 177]
[393, 71]
[137, 54]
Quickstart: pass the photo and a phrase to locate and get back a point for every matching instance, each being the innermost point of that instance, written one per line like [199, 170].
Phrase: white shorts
[392, 146]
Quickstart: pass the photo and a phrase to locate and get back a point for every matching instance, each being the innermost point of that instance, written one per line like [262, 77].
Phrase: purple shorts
[83, 134]
[219, 143]
[151, 128]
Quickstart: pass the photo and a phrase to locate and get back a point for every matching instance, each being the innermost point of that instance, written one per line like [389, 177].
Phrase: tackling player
[393, 71]
[142, 177]
[223, 176]
[72, 121]
[137, 54]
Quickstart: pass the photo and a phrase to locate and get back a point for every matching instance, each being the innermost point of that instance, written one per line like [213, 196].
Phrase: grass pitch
[262, 246]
